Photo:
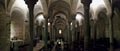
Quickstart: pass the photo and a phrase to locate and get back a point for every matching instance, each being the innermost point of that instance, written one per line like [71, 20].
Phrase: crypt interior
[59, 25]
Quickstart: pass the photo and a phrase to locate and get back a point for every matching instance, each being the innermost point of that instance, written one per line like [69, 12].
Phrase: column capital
[30, 2]
[86, 2]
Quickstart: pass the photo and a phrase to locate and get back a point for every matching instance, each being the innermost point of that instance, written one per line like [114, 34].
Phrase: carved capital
[86, 2]
[30, 2]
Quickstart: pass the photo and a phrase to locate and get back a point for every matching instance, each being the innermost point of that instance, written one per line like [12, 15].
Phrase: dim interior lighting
[60, 31]
[59, 42]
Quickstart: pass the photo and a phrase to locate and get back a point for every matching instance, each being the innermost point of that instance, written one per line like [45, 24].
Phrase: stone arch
[59, 6]
[79, 25]
[38, 9]
[101, 24]
[39, 19]
[17, 24]
[100, 14]
[80, 18]
[39, 26]
[9, 4]
[16, 9]
[19, 16]
[60, 22]
[80, 8]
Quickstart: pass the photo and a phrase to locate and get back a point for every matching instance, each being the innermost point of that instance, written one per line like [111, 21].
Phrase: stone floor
[99, 45]
[74, 46]
[38, 46]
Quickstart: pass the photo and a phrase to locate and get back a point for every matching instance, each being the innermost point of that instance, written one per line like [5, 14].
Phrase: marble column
[4, 31]
[31, 4]
[86, 4]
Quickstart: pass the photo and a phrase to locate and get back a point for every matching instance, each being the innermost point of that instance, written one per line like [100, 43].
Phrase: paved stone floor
[38, 46]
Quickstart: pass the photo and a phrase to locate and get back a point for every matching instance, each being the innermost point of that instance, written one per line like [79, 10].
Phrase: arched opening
[17, 25]
[102, 26]
[60, 23]
[39, 26]
[18, 21]
[80, 26]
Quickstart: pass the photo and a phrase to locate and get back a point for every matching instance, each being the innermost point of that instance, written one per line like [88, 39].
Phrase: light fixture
[60, 31]
[71, 23]
[48, 24]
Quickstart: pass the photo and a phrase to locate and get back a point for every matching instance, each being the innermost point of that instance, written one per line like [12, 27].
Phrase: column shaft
[111, 30]
[69, 32]
[73, 30]
[4, 31]
[87, 26]
[46, 33]
[31, 25]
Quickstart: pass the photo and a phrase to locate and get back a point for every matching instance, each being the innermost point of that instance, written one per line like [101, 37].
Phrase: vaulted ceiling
[51, 8]
[60, 12]
[68, 7]
[8, 3]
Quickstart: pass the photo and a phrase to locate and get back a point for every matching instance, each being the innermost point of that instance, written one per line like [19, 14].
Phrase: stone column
[111, 28]
[4, 31]
[46, 33]
[43, 29]
[76, 31]
[93, 29]
[51, 31]
[73, 30]
[86, 4]
[69, 34]
[31, 4]
[65, 32]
